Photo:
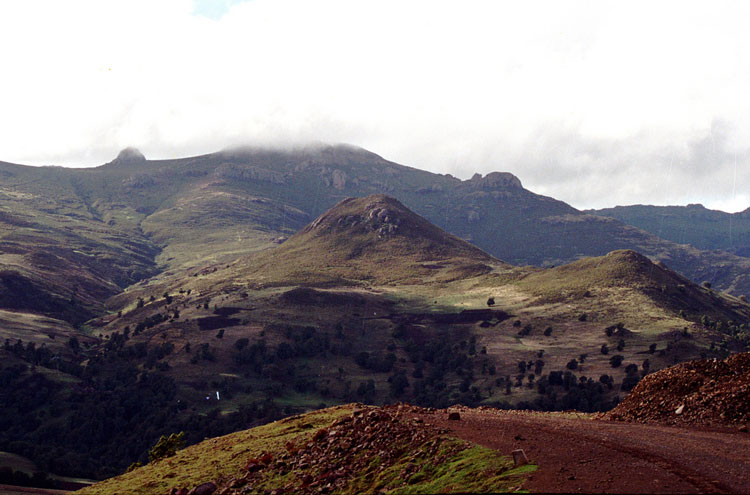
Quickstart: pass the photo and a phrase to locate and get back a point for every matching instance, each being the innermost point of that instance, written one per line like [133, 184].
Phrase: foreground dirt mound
[705, 392]
[370, 442]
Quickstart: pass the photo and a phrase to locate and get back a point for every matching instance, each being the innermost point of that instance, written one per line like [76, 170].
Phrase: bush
[572, 364]
[166, 446]
[616, 360]
[362, 359]
[490, 301]
[605, 349]
[525, 330]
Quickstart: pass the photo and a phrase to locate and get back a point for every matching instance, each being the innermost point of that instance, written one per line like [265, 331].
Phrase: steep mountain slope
[60, 254]
[692, 224]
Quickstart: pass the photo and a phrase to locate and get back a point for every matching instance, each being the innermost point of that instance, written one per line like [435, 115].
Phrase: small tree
[166, 446]
[605, 349]
[616, 360]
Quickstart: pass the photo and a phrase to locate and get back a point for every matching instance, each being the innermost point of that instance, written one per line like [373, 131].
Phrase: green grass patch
[455, 468]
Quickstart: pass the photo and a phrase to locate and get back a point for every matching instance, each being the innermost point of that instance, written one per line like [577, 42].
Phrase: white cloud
[593, 102]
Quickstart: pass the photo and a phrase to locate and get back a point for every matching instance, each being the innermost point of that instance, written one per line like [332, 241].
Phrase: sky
[597, 103]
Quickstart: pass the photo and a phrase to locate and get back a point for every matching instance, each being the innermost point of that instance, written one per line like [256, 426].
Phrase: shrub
[616, 360]
[490, 301]
[166, 446]
[605, 349]
[572, 364]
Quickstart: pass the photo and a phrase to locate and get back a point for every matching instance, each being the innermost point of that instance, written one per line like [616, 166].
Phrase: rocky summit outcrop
[496, 180]
[129, 155]
[704, 392]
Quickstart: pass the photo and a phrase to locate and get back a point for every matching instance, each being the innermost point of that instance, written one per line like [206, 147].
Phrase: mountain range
[73, 237]
[207, 294]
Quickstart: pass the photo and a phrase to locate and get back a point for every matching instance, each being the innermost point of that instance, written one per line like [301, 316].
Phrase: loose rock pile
[706, 392]
[368, 442]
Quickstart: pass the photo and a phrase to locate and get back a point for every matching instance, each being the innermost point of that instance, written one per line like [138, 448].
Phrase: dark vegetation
[108, 419]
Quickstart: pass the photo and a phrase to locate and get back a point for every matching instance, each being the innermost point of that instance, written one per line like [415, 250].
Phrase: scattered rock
[204, 489]
[519, 458]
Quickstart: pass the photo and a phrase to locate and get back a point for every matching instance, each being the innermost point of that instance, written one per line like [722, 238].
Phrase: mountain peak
[378, 213]
[129, 155]
[374, 238]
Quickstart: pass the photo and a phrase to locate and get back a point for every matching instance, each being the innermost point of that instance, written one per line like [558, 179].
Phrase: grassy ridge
[441, 464]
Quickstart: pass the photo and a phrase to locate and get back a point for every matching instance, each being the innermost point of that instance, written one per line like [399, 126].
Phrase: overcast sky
[595, 103]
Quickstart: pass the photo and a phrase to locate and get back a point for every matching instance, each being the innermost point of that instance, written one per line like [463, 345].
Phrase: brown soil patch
[578, 454]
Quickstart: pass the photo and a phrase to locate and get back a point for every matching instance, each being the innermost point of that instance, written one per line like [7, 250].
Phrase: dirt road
[584, 455]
